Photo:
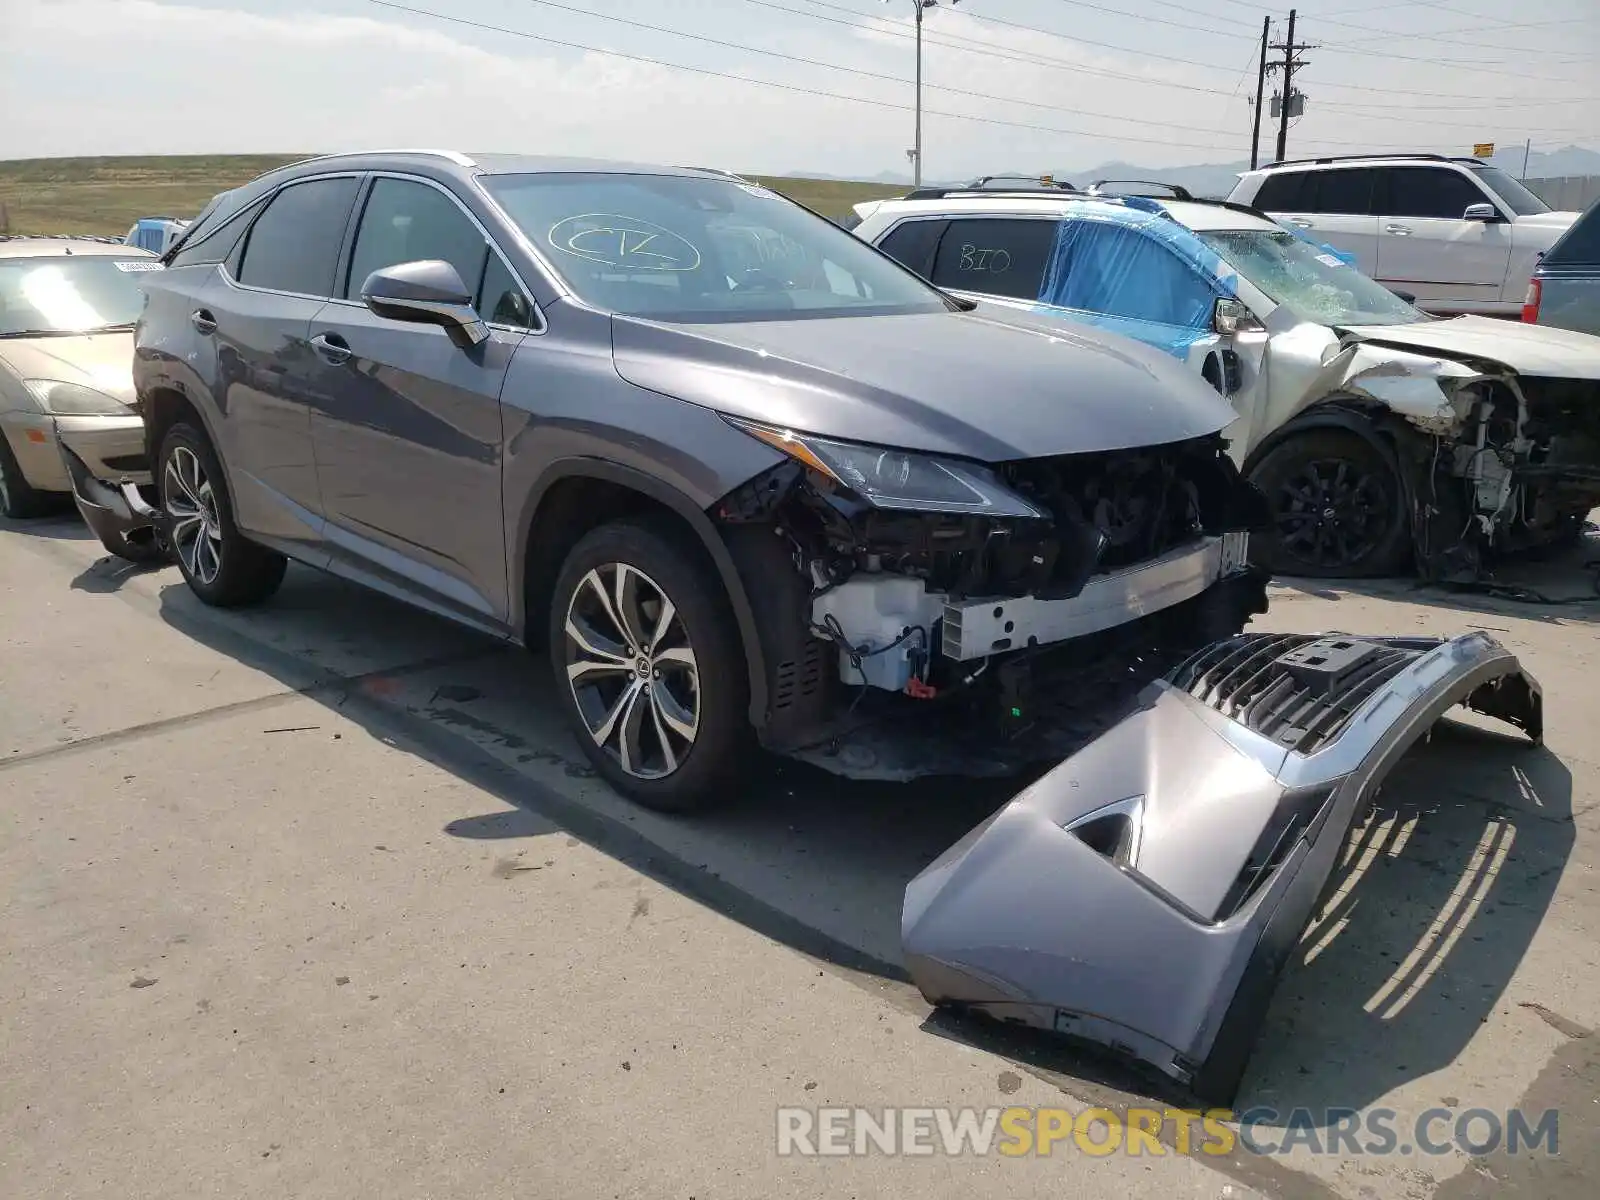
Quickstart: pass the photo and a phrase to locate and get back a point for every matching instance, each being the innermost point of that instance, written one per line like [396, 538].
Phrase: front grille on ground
[1300, 690]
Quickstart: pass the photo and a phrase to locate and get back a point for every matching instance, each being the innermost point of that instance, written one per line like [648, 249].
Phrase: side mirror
[1481, 212]
[427, 292]
[1230, 316]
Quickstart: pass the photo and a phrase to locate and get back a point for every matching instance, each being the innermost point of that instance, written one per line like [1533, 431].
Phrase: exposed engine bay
[1493, 460]
[902, 611]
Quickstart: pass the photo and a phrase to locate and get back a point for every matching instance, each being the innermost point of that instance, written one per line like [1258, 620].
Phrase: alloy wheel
[1332, 513]
[5, 488]
[632, 670]
[192, 505]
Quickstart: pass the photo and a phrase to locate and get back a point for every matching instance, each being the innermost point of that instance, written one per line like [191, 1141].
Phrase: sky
[788, 86]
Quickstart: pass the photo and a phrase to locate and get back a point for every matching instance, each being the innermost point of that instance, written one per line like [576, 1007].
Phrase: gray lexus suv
[747, 480]
[734, 468]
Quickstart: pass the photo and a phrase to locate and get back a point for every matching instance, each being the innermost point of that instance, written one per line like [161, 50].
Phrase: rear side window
[1580, 245]
[1344, 192]
[405, 222]
[1283, 191]
[294, 246]
[1437, 192]
[912, 244]
[999, 257]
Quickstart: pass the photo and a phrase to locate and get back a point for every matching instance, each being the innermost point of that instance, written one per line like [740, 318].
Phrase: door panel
[285, 268]
[1336, 206]
[408, 438]
[407, 424]
[1428, 248]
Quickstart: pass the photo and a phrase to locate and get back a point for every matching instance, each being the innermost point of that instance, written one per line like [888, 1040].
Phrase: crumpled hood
[102, 361]
[992, 384]
[1538, 350]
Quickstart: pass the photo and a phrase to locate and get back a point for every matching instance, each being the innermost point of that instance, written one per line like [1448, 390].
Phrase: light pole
[916, 152]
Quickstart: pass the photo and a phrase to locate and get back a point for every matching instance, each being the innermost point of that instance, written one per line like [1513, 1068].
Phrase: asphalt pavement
[320, 899]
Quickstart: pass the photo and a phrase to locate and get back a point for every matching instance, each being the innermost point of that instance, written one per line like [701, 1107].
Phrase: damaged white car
[1383, 438]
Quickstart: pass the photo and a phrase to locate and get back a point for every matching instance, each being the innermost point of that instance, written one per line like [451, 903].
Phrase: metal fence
[1566, 193]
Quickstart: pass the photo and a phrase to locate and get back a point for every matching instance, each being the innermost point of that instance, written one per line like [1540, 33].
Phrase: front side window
[1430, 192]
[1117, 270]
[57, 294]
[1311, 283]
[1516, 196]
[406, 222]
[999, 256]
[294, 244]
[690, 248]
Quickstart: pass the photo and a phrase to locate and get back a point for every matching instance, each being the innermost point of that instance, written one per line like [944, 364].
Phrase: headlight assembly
[897, 479]
[63, 399]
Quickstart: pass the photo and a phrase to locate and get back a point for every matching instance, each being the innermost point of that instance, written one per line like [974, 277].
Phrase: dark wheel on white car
[648, 665]
[1338, 510]
[18, 498]
[221, 566]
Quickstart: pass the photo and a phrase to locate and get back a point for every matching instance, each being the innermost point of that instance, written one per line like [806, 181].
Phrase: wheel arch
[1373, 423]
[163, 407]
[575, 495]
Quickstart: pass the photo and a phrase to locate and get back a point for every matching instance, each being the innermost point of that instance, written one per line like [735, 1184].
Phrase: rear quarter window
[1283, 191]
[1580, 245]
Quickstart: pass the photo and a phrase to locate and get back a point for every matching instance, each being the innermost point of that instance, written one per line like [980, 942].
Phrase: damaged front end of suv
[943, 616]
[1492, 459]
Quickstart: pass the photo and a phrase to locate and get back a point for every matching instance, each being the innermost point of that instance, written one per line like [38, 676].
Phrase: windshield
[688, 248]
[1310, 282]
[1521, 201]
[60, 294]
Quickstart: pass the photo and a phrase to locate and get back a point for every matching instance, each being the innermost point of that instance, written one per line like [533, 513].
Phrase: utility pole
[916, 148]
[1290, 64]
[1261, 89]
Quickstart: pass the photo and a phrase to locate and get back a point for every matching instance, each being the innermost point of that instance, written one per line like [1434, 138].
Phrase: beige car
[67, 309]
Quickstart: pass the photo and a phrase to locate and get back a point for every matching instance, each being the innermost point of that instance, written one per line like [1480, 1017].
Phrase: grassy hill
[106, 195]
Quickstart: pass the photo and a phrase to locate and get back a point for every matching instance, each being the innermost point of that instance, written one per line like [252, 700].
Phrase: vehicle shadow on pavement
[65, 525]
[1562, 587]
[1438, 897]
[1407, 973]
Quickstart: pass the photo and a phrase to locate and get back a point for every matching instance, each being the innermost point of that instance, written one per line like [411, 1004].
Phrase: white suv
[1456, 233]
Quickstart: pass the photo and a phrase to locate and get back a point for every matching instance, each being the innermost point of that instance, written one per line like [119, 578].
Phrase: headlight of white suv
[62, 399]
[898, 479]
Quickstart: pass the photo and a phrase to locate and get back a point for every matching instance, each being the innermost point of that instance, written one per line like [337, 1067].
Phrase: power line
[984, 49]
[1187, 26]
[877, 75]
[787, 87]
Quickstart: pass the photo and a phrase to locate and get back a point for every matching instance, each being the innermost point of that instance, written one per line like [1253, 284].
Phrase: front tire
[649, 666]
[19, 499]
[221, 566]
[1338, 510]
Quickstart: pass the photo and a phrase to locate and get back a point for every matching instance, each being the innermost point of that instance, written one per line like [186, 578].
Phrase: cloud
[146, 76]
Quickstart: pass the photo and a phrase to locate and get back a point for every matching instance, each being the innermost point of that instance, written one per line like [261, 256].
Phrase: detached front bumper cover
[1146, 893]
[116, 512]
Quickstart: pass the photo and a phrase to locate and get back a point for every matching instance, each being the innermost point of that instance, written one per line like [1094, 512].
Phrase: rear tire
[19, 499]
[1338, 510]
[657, 699]
[221, 566]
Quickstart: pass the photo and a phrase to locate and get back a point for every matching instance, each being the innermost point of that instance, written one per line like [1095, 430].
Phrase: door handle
[1398, 230]
[203, 321]
[1300, 222]
[331, 348]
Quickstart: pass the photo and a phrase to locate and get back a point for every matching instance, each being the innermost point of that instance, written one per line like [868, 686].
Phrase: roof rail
[455, 156]
[1179, 192]
[1333, 158]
